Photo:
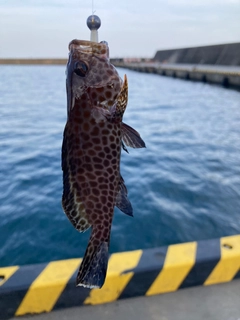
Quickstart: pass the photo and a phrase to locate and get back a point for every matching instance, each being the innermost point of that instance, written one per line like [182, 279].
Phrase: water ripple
[184, 186]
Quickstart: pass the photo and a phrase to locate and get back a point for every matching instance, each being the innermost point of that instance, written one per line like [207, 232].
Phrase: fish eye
[81, 68]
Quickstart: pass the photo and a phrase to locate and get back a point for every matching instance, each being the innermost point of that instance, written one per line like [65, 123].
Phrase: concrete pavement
[216, 302]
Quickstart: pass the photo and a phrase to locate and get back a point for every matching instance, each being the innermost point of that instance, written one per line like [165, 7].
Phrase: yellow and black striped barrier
[46, 287]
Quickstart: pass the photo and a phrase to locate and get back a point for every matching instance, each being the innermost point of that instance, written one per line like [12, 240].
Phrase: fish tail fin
[93, 269]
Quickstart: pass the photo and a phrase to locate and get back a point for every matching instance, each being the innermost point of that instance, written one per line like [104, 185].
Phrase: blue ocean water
[184, 186]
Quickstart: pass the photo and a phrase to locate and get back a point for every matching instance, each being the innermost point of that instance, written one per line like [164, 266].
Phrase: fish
[93, 137]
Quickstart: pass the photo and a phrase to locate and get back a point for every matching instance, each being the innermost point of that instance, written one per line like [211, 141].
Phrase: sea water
[185, 186]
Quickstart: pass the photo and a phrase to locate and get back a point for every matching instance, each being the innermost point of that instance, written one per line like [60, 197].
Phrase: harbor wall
[49, 286]
[222, 54]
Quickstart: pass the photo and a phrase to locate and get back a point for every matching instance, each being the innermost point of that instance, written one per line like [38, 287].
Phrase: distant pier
[29, 61]
[215, 64]
[227, 76]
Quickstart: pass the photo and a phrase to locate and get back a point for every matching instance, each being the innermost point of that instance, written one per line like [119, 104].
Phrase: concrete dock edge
[49, 286]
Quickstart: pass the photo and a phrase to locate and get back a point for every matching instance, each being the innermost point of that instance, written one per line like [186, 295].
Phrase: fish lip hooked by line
[99, 49]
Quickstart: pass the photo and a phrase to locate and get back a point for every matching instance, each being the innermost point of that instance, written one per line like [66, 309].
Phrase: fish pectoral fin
[131, 137]
[122, 201]
[124, 147]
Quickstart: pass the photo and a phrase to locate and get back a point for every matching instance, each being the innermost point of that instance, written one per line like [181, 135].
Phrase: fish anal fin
[122, 201]
[131, 137]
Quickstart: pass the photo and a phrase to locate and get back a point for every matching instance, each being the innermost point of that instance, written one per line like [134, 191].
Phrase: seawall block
[45, 287]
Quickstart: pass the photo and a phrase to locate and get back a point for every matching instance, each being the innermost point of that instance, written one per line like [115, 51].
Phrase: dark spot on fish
[105, 208]
[92, 152]
[114, 153]
[105, 131]
[87, 159]
[86, 114]
[112, 138]
[101, 154]
[113, 146]
[106, 163]
[107, 149]
[106, 223]
[101, 89]
[90, 204]
[94, 216]
[85, 136]
[110, 170]
[110, 198]
[96, 140]
[96, 192]
[87, 145]
[95, 242]
[95, 131]
[75, 185]
[97, 148]
[88, 167]
[108, 94]
[99, 166]
[103, 199]
[101, 99]
[90, 176]
[110, 72]
[94, 95]
[103, 186]
[86, 126]
[93, 183]
[74, 214]
[101, 124]
[104, 140]
[112, 178]
[98, 79]
[96, 159]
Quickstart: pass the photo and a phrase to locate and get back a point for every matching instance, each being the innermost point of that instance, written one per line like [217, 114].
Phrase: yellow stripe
[179, 261]
[229, 264]
[6, 273]
[45, 290]
[116, 281]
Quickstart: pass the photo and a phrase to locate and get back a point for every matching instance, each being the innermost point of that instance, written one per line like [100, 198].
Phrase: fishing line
[93, 11]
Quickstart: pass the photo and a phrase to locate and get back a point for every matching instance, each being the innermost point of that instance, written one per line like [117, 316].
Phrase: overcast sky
[43, 28]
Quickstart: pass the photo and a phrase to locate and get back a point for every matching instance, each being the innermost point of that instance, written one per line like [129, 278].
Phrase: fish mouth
[89, 47]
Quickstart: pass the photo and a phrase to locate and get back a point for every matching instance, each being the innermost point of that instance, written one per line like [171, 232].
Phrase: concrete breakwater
[49, 286]
[222, 54]
[29, 61]
[227, 76]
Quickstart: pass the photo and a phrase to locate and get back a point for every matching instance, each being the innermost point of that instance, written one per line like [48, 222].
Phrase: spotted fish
[92, 140]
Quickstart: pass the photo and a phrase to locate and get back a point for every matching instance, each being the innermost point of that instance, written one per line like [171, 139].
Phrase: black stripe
[145, 273]
[15, 288]
[237, 276]
[72, 296]
[208, 255]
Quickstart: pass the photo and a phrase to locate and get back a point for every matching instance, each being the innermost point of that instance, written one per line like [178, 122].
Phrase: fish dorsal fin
[122, 100]
[122, 201]
[131, 137]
